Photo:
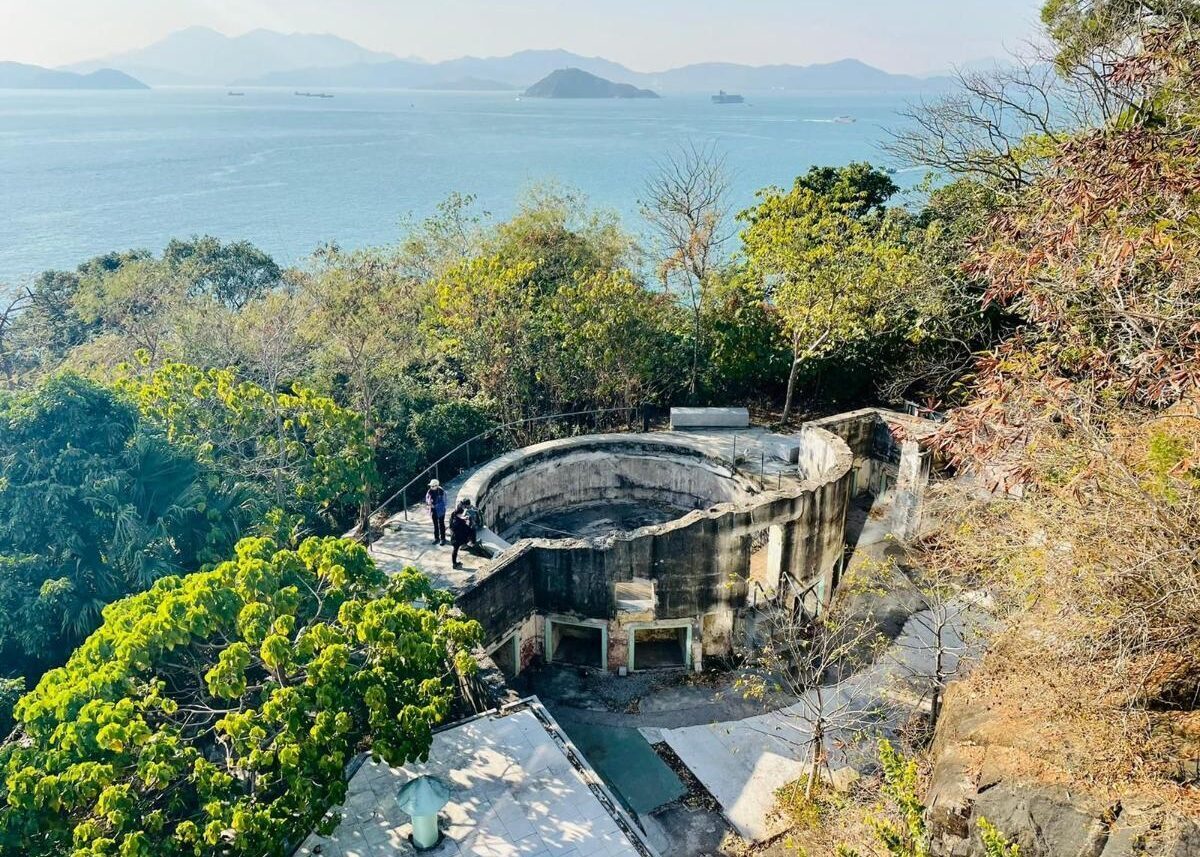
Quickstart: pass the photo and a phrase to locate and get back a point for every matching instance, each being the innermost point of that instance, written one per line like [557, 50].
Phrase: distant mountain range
[15, 75]
[575, 83]
[199, 55]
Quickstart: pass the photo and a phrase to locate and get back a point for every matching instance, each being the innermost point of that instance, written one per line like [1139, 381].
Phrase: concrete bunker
[644, 547]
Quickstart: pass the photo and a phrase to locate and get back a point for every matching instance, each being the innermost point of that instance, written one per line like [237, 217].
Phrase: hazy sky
[647, 35]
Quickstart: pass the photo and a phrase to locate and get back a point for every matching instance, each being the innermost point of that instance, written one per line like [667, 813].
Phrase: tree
[231, 274]
[953, 322]
[366, 323]
[11, 690]
[499, 319]
[940, 632]
[837, 268]
[1104, 32]
[810, 660]
[616, 341]
[859, 187]
[429, 248]
[305, 455]
[995, 126]
[134, 303]
[216, 713]
[687, 208]
[94, 504]
[481, 319]
[748, 354]
[10, 310]
[1089, 411]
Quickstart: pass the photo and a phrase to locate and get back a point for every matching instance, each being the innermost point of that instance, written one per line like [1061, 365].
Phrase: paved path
[409, 542]
[743, 762]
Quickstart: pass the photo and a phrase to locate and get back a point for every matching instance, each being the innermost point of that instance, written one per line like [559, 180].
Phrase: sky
[913, 36]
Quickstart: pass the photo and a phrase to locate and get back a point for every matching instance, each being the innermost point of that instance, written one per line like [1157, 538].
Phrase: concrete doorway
[582, 644]
[507, 656]
[663, 646]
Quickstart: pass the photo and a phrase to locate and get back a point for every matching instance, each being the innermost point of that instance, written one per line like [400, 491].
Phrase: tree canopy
[838, 269]
[94, 503]
[216, 712]
[306, 456]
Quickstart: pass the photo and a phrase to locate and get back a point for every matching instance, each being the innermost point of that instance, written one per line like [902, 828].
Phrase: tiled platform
[514, 793]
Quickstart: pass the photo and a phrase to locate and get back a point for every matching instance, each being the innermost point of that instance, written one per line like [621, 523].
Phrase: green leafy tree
[133, 304]
[232, 274]
[509, 320]
[94, 504]
[481, 320]
[215, 713]
[838, 269]
[50, 324]
[307, 456]
[366, 324]
[747, 344]
[616, 341]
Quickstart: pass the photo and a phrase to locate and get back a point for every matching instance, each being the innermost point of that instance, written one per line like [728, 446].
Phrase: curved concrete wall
[698, 564]
[571, 472]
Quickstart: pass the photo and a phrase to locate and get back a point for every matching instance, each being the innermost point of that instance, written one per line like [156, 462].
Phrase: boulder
[1043, 814]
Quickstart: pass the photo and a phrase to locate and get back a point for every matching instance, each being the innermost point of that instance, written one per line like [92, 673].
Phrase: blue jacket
[435, 499]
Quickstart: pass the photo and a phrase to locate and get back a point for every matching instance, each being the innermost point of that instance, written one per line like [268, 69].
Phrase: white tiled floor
[514, 794]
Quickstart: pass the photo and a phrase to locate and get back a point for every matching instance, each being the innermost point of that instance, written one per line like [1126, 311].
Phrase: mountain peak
[201, 54]
[577, 83]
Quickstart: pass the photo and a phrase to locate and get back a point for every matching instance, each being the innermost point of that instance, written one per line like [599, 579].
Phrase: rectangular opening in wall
[660, 648]
[506, 656]
[581, 645]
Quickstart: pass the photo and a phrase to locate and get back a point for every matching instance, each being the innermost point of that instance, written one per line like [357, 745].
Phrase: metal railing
[460, 458]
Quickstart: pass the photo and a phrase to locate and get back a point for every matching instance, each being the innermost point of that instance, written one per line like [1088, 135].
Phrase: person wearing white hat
[435, 499]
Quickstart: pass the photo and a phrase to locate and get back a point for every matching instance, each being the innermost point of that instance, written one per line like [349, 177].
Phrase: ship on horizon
[724, 97]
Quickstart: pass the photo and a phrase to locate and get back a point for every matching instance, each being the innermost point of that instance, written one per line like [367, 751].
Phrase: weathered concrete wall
[508, 600]
[912, 478]
[698, 563]
[879, 450]
[857, 430]
[574, 472]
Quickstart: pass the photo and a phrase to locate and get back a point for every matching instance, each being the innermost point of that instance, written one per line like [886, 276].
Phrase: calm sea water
[84, 173]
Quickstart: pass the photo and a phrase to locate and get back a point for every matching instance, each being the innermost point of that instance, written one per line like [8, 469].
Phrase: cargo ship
[724, 97]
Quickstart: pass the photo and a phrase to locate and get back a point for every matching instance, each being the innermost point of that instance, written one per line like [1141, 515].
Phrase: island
[15, 75]
[577, 83]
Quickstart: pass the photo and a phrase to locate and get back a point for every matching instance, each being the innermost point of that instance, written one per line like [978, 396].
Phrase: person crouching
[461, 531]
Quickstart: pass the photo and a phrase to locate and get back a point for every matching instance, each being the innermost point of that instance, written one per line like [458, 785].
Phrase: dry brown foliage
[1093, 409]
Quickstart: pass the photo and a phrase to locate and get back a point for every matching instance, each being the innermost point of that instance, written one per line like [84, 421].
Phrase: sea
[82, 173]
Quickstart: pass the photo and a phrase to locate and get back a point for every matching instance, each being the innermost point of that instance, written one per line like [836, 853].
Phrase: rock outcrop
[1031, 802]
